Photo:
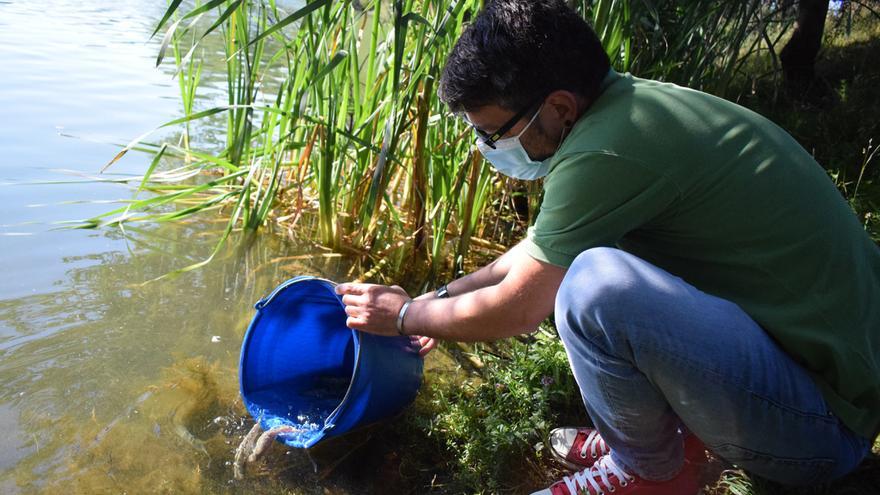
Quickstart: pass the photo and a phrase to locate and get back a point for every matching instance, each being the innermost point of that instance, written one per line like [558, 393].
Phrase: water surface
[110, 385]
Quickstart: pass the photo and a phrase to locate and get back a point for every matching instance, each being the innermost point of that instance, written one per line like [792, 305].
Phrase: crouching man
[709, 283]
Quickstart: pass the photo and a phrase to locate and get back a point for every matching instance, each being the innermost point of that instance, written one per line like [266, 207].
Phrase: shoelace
[589, 479]
[593, 444]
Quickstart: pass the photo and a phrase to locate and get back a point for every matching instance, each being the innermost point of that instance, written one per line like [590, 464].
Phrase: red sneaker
[605, 477]
[579, 448]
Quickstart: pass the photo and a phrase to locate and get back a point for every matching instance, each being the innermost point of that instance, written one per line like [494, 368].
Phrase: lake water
[110, 385]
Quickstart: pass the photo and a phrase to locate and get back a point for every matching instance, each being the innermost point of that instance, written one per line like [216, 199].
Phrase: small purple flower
[500, 386]
[547, 380]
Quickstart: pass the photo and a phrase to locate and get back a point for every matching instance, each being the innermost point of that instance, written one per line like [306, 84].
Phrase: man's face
[558, 112]
[536, 140]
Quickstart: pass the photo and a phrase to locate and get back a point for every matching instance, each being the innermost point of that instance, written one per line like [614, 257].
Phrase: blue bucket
[302, 367]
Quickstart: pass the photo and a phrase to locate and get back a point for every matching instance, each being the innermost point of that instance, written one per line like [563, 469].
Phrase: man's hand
[372, 308]
[426, 345]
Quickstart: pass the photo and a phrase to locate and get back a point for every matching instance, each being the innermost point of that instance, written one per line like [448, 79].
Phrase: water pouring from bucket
[305, 376]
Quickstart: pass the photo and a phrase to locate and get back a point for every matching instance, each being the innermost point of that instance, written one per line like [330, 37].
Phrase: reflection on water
[111, 385]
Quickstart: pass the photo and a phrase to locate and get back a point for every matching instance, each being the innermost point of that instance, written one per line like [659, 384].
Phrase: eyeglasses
[489, 139]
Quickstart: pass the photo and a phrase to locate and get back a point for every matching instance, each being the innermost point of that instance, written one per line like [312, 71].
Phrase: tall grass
[333, 121]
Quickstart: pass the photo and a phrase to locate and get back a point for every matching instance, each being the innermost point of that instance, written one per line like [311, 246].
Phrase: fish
[189, 438]
[125, 414]
[266, 438]
[245, 449]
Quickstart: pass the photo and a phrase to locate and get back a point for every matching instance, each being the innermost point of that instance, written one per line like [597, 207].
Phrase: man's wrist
[442, 292]
[401, 315]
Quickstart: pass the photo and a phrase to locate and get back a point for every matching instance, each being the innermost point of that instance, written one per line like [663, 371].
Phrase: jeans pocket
[785, 470]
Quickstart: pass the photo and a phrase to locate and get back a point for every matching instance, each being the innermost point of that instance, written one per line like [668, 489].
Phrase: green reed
[332, 110]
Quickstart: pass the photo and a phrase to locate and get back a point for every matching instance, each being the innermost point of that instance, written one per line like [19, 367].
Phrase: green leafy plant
[491, 425]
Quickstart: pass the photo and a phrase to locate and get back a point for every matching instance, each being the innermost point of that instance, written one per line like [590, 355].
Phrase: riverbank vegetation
[333, 124]
[332, 132]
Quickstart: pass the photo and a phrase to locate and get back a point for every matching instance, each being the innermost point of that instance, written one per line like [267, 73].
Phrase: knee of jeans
[596, 291]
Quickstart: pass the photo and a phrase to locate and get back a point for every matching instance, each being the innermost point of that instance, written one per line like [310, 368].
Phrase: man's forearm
[514, 305]
[489, 275]
[478, 315]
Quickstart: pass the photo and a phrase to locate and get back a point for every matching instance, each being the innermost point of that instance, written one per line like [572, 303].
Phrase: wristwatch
[442, 292]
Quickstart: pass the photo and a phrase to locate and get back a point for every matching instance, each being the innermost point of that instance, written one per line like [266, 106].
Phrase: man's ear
[564, 105]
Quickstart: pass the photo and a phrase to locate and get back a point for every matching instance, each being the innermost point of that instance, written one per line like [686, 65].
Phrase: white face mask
[510, 158]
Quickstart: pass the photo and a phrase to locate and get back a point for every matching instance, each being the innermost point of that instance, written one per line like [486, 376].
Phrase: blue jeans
[654, 356]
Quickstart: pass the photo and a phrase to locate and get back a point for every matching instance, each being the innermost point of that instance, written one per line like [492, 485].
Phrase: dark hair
[517, 51]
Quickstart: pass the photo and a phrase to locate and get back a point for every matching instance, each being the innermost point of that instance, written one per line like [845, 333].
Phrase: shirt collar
[609, 79]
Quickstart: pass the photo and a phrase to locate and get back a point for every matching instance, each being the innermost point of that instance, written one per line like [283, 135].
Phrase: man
[709, 282]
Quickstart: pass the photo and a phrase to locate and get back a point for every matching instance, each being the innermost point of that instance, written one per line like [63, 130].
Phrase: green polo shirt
[723, 198]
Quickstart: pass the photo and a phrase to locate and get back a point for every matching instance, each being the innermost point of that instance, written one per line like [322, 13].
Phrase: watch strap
[442, 292]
